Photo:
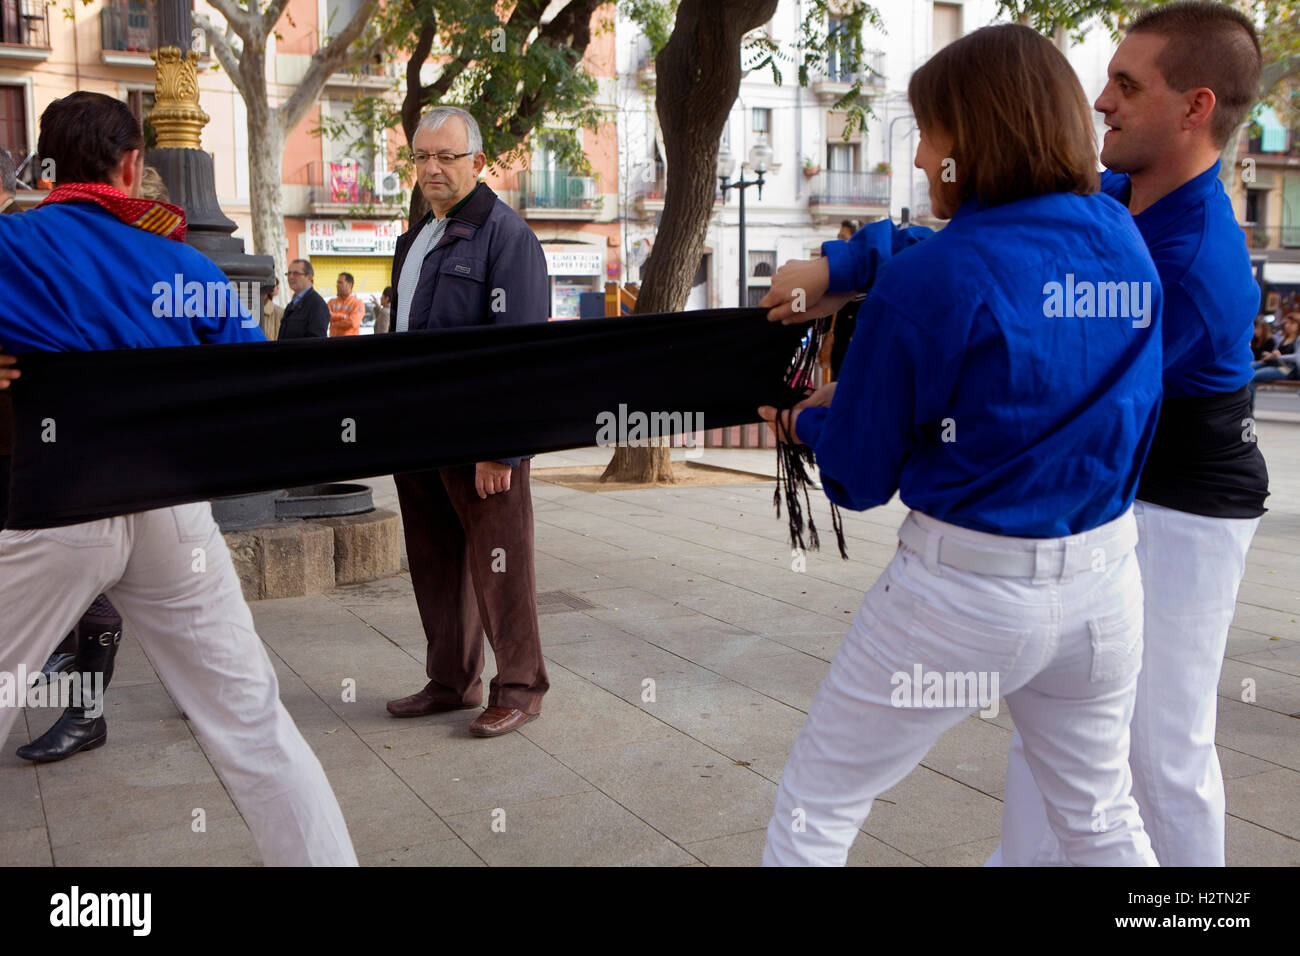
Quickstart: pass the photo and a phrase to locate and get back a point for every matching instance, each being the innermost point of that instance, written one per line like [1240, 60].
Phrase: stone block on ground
[290, 560]
[366, 546]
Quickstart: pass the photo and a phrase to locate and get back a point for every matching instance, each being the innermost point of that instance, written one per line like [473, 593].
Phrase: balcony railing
[128, 26]
[1272, 237]
[845, 188]
[557, 189]
[872, 70]
[344, 184]
[25, 24]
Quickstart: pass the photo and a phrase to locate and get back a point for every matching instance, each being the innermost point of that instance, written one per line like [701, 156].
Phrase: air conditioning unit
[582, 187]
[390, 184]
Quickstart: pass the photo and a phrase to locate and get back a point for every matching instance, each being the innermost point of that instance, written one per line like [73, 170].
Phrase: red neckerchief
[151, 215]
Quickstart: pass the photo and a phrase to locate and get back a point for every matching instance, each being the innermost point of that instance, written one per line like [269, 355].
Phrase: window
[338, 13]
[762, 120]
[1290, 238]
[836, 41]
[1256, 207]
[13, 121]
[947, 24]
[762, 263]
[9, 32]
[842, 157]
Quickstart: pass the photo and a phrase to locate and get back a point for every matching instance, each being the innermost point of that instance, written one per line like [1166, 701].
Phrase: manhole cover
[557, 602]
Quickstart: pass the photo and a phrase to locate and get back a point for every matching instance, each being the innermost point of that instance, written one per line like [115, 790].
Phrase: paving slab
[693, 588]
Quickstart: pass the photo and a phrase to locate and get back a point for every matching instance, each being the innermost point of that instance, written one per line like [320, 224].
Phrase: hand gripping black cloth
[99, 434]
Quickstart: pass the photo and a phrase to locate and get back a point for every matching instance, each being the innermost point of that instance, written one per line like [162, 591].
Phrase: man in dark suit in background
[307, 316]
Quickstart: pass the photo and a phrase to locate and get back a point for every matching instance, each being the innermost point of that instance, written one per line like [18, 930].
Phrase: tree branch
[245, 23]
[271, 15]
[223, 49]
[324, 63]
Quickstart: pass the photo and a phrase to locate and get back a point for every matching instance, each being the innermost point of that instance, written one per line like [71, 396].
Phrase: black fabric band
[1204, 459]
[162, 427]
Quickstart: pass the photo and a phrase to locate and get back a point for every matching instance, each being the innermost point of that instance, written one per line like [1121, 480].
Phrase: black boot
[98, 634]
[62, 660]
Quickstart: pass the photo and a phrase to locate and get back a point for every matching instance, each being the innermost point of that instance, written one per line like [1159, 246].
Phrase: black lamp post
[760, 158]
[181, 161]
[187, 171]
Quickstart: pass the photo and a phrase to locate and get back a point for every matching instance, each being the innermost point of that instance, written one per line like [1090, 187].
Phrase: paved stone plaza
[689, 587]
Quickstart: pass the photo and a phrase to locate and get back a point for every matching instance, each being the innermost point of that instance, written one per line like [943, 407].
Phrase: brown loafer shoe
[422, 703]
[495, 721]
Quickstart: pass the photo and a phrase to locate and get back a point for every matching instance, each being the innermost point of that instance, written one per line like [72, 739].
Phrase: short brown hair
[1210, 45]
[1020, 123]
[86, 134]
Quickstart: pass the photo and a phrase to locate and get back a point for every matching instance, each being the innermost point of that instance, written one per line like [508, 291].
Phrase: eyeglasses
[295, 272]
[443, 159]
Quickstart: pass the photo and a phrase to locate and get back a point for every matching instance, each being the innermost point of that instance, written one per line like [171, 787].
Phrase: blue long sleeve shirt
[80, 279]
[998, 378]
[1211, 297]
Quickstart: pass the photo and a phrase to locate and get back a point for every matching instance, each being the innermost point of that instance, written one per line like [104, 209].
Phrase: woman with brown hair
[1015, 574]
[1278, 361]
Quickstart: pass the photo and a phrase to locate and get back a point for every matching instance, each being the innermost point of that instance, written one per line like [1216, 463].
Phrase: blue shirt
[975, 389]
[80, 279]
[1211, 297]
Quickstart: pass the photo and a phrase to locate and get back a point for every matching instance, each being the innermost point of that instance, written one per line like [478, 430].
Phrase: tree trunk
[265, 156]
[697, 75]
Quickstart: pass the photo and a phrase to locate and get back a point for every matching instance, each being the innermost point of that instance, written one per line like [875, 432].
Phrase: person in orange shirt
[346, 309]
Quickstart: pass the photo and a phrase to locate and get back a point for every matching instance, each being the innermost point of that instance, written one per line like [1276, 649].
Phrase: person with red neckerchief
[195, 627]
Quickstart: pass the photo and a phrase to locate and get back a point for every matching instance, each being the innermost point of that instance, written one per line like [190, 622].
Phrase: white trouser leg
[1065, 654]
[853, 747]
[171, 577]
[47, 579]
[181, 599]
[1191, 569]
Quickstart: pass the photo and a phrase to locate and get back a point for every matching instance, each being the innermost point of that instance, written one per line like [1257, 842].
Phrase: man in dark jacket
[469, 528]
[307, 316]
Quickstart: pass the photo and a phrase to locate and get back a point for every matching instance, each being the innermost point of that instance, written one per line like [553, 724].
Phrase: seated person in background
[1280, 362]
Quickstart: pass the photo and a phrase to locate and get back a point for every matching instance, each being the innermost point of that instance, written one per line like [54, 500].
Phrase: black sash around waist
[1205, 458]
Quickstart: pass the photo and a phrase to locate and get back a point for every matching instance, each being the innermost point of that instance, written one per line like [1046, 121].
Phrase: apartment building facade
[344, 196]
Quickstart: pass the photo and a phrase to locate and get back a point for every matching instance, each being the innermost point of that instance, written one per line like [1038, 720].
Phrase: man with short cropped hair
[346, 309]
[190, 619]
[1179, 87]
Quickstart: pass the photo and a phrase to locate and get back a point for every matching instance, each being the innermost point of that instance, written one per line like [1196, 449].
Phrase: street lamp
[760, 159]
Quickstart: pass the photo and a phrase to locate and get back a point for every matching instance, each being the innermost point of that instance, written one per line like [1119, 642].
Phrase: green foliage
[654, 17]
[817, 46]
[506, 72]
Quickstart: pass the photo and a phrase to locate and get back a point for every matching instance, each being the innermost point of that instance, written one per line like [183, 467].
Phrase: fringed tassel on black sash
[793, 458]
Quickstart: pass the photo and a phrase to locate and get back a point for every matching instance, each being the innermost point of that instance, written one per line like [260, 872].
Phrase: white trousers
[1065, 645]
[170, 575]
[1191, 568]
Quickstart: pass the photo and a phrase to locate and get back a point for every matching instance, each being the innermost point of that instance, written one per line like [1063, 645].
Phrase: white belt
[1050, 558]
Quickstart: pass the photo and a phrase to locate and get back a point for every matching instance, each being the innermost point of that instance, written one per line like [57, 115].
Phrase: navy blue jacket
[487, 269]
